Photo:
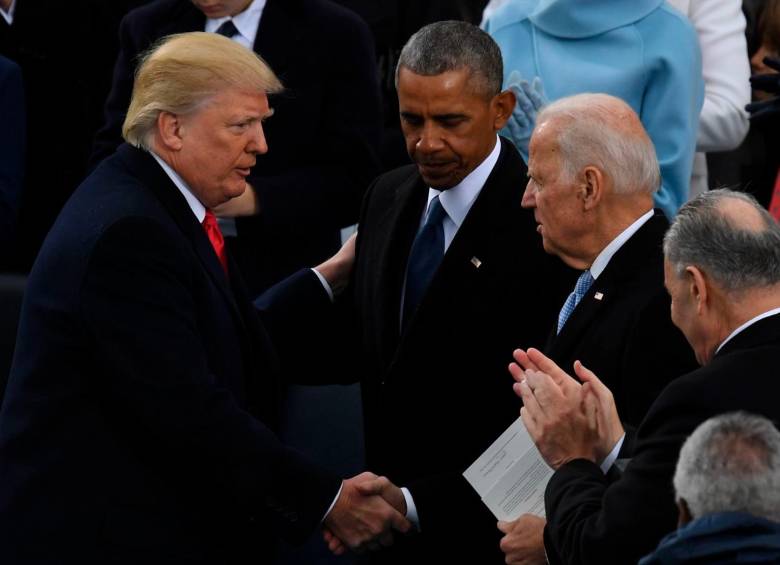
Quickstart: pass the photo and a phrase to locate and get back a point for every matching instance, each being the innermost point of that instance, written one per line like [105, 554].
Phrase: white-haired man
[137, 424]
[722, 270]
[592, 175]
[727, 485]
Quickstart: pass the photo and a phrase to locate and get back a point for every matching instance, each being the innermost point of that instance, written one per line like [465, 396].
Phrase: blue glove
[530, 99]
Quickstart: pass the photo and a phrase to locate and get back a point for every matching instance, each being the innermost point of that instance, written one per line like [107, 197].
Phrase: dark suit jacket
[436, 396]
[626, 336]
[137, 423]
[322, 140]
[12, 149]
[592, 518]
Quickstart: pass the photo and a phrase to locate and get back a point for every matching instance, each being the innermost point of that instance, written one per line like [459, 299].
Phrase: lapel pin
[598, 295]
[476, 262]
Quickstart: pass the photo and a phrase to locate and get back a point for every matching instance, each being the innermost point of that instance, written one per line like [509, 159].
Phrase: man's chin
[440, 183]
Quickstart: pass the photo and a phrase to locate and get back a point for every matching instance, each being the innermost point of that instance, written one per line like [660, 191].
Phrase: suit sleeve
[138, 304]
[593, 518]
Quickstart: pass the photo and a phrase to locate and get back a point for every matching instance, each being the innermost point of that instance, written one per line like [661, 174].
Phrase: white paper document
[510, 476]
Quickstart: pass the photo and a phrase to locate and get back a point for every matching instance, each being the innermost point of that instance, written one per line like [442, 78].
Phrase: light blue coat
[642, 51]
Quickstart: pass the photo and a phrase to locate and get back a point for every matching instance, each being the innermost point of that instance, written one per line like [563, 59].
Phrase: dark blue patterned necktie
[228, 29]
[424, 258]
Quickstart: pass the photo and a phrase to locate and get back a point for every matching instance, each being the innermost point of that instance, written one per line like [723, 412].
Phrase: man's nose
[529, 196]
[257, 143]
[430, 139]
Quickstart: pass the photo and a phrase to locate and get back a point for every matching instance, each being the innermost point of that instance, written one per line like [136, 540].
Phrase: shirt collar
[457, 200]
[746, 325]
[246, 22]
[9, 15]
[195, 205]
[603, 258]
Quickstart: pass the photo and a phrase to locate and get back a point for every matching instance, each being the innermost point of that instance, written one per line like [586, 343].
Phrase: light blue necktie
[424, 258]
[582, 286]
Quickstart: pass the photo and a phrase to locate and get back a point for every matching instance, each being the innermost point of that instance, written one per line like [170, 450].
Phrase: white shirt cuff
[332, 504]
[411, 509]
[325, 284]
[610, 459]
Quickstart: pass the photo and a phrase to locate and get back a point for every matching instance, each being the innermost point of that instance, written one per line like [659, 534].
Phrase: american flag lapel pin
[598, 295]
[476, 262]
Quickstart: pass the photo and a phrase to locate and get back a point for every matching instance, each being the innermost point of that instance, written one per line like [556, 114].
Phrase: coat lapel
[144, 166]
[629, 260]
[401, 225]
[461, 271]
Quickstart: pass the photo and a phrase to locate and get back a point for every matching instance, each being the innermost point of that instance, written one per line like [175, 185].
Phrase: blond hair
[182, 72]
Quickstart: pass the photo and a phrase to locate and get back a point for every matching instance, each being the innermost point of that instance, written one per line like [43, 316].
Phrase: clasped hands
[363, 518]
[566, 420]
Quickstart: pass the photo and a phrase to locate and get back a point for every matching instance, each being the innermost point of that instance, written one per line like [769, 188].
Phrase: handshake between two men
[567, 421]
[367, 513]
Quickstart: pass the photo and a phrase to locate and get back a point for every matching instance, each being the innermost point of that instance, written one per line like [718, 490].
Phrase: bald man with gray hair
[727, 485]
[722, 271]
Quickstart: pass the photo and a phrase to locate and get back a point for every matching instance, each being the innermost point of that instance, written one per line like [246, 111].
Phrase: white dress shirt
[195, 205]
[8, 16]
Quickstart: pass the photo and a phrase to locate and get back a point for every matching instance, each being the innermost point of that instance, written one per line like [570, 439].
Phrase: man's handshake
[367, 510]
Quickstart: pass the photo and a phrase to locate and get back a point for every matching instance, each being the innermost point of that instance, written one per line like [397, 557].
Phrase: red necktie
[774, 204]
[215, 237]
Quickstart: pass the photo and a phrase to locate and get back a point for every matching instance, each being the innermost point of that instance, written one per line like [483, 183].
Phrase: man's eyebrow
[452, 116]
[268, 114]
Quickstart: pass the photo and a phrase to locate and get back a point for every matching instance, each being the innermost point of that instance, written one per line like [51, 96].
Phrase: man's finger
[547, 365]
[517, 372]
[372, 486]
[530, 424]
[504, 526]
[522, 359]
[587, 376]
[399, 522]
[546, 392]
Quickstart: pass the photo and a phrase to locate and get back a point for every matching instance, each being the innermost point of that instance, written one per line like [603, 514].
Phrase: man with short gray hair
[592, 173]
[722, 270]
[448, 279]
[727, 485]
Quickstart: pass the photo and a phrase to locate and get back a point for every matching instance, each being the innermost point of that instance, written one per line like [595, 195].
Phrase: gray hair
[736, 257]
[731, 463]
[596, 129]
[452, 45]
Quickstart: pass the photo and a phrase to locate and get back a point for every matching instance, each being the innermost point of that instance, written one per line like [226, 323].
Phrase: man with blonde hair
[139, 416]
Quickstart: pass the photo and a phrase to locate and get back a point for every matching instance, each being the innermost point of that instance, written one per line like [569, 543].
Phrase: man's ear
[592, 188]
[169, 130]
[683, 513]
[697, 287]
[503, 104]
